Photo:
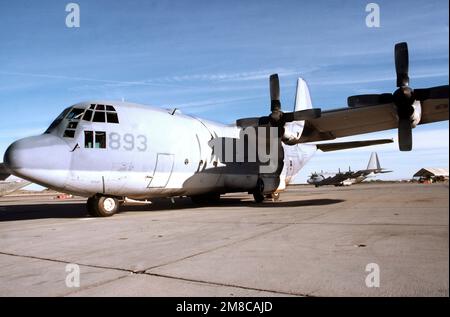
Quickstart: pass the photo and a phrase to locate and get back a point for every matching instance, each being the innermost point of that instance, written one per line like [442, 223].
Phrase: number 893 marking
[127, 142]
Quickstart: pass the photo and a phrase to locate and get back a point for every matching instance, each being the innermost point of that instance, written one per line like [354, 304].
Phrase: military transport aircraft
[115, 152]
[349, 177]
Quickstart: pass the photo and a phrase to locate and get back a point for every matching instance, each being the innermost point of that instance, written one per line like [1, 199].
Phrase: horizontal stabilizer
[336, 146]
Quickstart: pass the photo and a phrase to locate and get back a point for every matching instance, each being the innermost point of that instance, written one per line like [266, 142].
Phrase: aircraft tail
[374, 163]
[302, 96]
[293, 130]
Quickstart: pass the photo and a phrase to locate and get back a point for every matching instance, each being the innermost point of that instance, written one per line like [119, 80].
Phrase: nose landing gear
[101, 206]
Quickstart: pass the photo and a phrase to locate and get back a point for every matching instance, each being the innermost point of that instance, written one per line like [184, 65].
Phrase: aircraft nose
[42, 159]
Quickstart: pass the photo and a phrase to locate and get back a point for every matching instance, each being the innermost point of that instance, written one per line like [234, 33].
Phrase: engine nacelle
[293, 132]
[417, 114]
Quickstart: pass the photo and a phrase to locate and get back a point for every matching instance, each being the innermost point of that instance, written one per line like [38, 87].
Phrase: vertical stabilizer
[293, 130]
[302, 96]
[374, 163]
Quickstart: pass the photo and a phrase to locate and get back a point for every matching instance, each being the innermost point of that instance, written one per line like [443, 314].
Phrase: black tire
[259, 198]
[101, 206]
[258, 193]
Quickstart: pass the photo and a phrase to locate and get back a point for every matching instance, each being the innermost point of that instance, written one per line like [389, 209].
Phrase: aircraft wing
[365, 119]
[337, 179]
[367, 172]
[336, 146]
[361, 173]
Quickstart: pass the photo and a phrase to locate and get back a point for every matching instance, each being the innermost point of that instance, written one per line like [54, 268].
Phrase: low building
[431, 175]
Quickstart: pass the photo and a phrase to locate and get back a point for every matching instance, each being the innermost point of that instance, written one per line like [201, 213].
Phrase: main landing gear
[259, 195]
[102, 206]
[275, 196]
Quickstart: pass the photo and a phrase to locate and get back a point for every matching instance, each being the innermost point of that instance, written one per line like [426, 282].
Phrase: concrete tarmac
[313, 242]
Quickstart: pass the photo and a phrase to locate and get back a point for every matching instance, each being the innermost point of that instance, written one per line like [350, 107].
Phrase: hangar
[432, 174]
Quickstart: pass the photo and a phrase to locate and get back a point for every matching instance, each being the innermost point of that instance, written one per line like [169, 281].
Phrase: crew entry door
[163, 171]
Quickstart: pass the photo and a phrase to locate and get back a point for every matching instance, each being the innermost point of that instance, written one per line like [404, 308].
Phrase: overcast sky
[213, 59]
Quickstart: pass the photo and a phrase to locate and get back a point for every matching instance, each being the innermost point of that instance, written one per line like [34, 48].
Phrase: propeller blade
[307, 114]
[274, 93]
[369, 100]
[404, 134]
[402, 64]
[438, 92]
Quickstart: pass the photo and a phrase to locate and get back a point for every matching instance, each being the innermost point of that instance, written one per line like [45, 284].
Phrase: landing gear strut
[275, 196]
[101, 206]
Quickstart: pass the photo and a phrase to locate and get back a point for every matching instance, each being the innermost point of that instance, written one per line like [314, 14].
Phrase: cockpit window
[95, 113]
[57, 120]
[95, 139]
[88, 139]
[75, 114]
[102, 113]
[69, 133]
[87, 115]
[72, 125]
[112, 117]
[100, 139]
[99, 116]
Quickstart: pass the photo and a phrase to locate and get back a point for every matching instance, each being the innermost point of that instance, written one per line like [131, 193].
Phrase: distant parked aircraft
[350, 177]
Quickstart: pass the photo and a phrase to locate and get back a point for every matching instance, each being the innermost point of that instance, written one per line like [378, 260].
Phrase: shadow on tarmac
[78, 209]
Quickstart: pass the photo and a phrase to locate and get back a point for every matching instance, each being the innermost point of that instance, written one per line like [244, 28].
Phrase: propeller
[278, 118]
[403, 98]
